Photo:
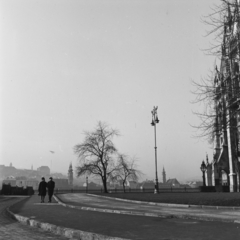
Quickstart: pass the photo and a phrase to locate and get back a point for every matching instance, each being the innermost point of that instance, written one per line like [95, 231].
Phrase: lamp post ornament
[154, 123]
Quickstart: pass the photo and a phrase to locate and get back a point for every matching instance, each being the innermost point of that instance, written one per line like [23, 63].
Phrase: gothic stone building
[225, 166]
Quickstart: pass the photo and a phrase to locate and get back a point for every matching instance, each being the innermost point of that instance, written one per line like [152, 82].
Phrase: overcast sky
[65, 65]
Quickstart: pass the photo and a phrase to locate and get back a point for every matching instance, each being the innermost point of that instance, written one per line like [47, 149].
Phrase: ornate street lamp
[154, 123]
[203, 169]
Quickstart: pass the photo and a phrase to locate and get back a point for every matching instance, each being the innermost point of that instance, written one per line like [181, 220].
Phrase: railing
[129, 190]
[77, 190]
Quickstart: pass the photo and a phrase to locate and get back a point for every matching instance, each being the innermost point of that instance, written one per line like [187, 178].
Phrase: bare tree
[126, 170]
[204, 94]
[223, 15]
[97, 153]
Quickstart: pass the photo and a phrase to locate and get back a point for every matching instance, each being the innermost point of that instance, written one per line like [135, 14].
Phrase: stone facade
[44, 170]
[225, 165]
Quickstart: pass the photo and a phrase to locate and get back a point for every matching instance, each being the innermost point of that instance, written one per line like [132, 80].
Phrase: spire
[70, 175]
[70, 169]
[164, 175]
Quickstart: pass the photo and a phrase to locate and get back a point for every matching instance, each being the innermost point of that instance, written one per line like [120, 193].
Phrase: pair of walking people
[45, 187]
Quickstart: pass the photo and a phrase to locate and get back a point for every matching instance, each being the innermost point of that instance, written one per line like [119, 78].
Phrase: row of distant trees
[98, 156]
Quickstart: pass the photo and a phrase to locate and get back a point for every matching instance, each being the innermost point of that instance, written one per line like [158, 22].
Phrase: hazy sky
[65, 65]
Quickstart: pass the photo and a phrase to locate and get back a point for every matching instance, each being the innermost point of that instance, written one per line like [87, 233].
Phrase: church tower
[70, 175]
[164, 175]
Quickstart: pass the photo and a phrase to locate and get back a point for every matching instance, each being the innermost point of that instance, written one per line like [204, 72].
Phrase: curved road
[118, 225]
[13, 230]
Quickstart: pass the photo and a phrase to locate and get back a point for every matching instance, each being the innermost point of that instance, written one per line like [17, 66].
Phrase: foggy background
[65, 65]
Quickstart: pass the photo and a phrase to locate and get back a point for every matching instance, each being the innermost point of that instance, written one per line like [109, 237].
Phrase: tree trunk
[123, 187]
[104, 180]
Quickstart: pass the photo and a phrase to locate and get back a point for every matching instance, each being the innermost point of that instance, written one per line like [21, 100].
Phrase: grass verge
[211, 198]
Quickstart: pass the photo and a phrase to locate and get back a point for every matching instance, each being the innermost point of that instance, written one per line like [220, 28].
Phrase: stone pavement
[108, 204]
[12, 230]
[100, 225]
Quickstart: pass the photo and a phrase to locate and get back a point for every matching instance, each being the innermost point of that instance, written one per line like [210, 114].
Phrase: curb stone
[162, 215]
[67, 232]
[170, 204]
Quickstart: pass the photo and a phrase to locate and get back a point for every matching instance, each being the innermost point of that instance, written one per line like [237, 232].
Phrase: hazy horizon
[65, 65]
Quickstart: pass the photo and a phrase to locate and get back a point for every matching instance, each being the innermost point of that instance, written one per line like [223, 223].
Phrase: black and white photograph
[120, 119]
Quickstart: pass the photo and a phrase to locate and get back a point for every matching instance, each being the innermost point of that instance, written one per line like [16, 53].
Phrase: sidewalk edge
[58, 230]
[162, 215]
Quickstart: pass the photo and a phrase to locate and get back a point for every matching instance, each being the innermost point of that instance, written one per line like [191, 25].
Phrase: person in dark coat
[42, 189]
[50, 186]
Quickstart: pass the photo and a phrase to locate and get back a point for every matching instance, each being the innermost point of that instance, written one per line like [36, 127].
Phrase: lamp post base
[156, 189]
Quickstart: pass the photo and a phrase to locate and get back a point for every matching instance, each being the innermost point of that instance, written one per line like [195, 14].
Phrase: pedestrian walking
[50, 186]
[42, 189]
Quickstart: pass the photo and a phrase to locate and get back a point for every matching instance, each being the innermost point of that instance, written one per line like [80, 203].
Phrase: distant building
[6, 171]
[224, 169]
[164, 175]
[62, 184]
[44, 170]
[70, 175]
[11, 182]
[173, 183]
[195, 184]
[93, 185]
[22, 183]
[147, 184]
[133, 184]
[26, 177]
[170, 183]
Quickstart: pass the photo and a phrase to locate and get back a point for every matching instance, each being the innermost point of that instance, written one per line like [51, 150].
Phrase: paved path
[13, 230]
[125, 226]
[84, 200]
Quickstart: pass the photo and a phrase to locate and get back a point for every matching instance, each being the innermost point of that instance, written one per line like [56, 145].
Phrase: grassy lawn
[211, 198]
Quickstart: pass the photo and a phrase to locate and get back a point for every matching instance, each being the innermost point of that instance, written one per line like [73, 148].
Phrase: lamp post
[154, 123]
[203, 169]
